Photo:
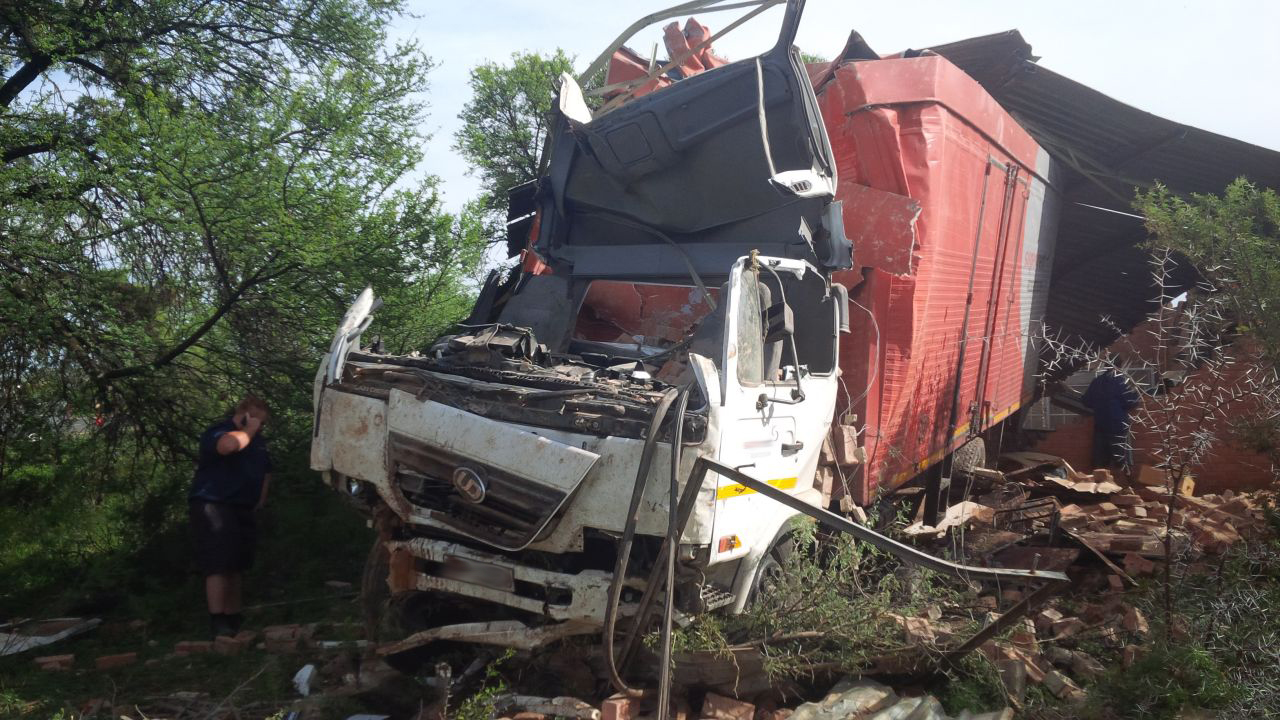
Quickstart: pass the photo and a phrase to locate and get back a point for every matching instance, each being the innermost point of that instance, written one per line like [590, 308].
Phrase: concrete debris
[957, 515]
[869, 700]
[515, 706]
[719, 707]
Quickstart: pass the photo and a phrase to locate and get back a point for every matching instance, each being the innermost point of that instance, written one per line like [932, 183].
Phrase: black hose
[668, 610]
[628, 536]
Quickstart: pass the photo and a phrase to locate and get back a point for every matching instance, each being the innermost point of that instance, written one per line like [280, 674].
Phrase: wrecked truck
[718, 263]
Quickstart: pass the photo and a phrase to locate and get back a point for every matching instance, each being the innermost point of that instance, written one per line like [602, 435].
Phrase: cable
[668, 609]
[797, 394]
[628, 536]
[871, 380]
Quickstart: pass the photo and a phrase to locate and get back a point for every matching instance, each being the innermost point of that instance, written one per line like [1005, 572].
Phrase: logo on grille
[469, 485]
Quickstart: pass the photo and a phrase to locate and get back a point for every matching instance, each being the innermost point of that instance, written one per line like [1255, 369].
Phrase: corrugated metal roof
[1109, 148]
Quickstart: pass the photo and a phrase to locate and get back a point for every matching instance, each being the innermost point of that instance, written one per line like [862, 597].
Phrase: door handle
[792, 448]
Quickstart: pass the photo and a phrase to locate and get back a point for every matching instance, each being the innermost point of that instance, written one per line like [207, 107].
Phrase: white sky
[1210, 64]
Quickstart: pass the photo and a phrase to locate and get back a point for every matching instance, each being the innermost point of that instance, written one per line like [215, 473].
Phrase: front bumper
[576, 598]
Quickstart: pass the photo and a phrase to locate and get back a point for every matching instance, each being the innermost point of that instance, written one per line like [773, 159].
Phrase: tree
[505, 124]
[193, 192]
[1234, 241]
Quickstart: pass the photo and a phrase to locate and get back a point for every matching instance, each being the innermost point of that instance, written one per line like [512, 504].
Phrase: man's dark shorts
[225, 537]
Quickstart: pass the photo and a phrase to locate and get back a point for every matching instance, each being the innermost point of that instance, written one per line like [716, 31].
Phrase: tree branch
[167, 357]
[22, 78]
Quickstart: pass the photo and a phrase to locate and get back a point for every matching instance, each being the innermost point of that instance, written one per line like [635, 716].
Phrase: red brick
[1116, 583]
[1128, 544]
[1024, 639]
[719, 707]
[1067, 627]
[193, 647]
[1135, 622]
[227, 645]
[827, 456]
[618, 707]
[845, 440]
[1135, 564]
[1126, 500]
[56, 662]
[108, 662]
[1046, 618]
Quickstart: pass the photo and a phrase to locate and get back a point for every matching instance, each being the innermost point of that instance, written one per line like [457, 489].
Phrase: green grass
[308, 535]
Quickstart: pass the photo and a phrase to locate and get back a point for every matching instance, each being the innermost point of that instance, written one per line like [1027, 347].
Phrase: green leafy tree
[193, 192]
[1234, 241]
[505, 124]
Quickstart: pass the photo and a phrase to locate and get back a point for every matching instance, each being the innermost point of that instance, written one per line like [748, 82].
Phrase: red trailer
[943, 310]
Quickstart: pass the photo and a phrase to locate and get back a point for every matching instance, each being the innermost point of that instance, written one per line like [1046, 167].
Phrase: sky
[1211, 64]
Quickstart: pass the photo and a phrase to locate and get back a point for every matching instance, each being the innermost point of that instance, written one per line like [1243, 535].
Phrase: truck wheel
[972, 454]
[771, 572]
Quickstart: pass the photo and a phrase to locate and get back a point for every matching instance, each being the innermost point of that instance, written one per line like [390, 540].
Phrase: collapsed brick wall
[1227, 467]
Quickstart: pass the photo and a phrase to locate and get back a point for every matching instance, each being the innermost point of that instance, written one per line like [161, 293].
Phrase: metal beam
[899, 550]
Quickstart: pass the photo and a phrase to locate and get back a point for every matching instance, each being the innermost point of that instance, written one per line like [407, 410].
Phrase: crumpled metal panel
[921, 129]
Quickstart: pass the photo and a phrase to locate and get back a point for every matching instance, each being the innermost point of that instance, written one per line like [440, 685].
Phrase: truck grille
[514, 510]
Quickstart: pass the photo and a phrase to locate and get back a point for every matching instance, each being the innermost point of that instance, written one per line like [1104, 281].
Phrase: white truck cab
[685, 244]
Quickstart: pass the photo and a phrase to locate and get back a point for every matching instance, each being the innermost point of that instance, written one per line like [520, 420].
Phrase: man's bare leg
[215, 593]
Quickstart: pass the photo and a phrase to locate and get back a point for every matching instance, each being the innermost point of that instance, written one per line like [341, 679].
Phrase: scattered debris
[561, 707]
[864, 698]
[302, 679]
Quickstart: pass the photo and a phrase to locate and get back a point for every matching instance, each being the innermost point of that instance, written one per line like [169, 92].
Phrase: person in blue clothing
[1111, 397]
[233, 472]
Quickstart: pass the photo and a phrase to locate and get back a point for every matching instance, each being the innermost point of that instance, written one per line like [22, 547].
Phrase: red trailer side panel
[940, 347]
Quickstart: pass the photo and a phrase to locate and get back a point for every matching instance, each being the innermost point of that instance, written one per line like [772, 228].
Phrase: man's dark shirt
[1110, 398]
[235, 479]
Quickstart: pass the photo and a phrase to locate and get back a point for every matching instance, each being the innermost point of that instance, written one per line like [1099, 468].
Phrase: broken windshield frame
[787, 36]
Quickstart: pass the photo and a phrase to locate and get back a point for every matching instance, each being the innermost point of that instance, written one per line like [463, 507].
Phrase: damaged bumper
[439, 565]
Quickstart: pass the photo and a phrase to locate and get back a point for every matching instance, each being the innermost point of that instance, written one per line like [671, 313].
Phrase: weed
[976, 687]
[481, 704]
[836, 604]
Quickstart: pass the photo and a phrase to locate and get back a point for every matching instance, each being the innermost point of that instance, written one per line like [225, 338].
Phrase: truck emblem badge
[469, 485]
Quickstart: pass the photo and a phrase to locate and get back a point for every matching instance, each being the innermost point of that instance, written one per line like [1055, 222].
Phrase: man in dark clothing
[233, 472]
[1110, 396]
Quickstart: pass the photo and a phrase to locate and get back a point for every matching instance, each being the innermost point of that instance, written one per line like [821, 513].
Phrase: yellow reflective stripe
[734, 490]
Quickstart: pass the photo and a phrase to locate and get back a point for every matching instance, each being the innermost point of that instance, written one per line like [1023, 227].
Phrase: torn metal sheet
[23, 636]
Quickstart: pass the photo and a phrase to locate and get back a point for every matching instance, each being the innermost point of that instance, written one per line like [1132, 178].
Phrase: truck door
[759, 436]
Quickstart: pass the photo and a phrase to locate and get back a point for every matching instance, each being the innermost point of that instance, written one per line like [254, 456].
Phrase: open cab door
[777, 394]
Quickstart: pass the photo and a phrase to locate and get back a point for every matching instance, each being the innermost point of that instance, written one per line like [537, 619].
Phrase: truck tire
[972, 454]
[772, 567]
